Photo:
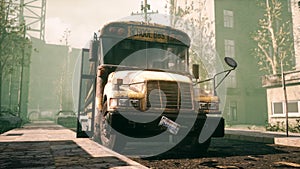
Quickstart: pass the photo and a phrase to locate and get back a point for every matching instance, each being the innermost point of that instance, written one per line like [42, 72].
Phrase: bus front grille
[168, 95]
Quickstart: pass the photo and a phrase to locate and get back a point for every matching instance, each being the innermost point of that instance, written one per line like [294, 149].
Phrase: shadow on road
[220, 147]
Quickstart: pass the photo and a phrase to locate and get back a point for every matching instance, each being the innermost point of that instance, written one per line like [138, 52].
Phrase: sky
[84, 17]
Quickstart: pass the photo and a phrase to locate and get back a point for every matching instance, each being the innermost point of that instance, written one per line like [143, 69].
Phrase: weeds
[280, 126]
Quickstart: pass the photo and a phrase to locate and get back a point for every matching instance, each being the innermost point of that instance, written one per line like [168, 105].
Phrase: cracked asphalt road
[226, 153]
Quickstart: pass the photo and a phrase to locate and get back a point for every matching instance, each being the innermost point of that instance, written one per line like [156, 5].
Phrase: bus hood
[137, 76]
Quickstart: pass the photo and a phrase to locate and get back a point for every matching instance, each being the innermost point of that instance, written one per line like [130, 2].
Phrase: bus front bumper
[137, 124]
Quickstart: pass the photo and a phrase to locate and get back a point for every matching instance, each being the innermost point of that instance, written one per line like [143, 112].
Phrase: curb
[263, 137]
[287, 141]
[266, 140]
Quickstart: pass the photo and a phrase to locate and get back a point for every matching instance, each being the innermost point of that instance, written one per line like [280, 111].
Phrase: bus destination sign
[148, 34]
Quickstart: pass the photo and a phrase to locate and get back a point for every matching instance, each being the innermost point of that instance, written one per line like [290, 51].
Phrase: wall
[50, 79]
[276, 94]
[246, 100]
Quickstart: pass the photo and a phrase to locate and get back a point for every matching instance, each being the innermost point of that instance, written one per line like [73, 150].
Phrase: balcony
[291, 78]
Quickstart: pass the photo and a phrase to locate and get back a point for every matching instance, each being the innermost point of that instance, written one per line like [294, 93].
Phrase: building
[235, 20]
[51, 73]
[246, 102]
[276, 96]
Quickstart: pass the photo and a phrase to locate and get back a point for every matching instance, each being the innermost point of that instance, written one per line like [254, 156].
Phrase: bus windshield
[145, 55]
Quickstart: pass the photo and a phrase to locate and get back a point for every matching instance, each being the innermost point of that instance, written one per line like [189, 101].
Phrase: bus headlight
[124, 102]
[208, 106]
[113, 103]
[135, 103]
[137, 87]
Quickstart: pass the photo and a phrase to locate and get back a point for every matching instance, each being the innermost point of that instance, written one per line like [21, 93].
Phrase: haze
[83, 17]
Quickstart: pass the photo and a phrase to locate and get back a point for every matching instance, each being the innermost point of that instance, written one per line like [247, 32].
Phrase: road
[225, 153]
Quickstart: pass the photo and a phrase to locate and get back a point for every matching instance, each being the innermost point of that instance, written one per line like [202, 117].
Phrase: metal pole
[9, 91]
[285, 101]
[145, 10]
[21, 21]
[22, 76]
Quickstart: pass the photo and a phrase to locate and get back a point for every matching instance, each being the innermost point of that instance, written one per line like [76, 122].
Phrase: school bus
[136, 83]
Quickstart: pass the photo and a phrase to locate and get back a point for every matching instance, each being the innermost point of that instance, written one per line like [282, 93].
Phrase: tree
[177, 12]
[14, 46]
[64, 87]
[193, 18]
[273, 39]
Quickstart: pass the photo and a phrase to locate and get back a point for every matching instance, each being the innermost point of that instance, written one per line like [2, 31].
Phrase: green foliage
[295, 128]
[280, 126]
[273, 39]
[14, 46]
[13, 43]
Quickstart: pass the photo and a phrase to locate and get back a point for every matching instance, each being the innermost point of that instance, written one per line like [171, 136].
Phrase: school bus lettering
[148, 34]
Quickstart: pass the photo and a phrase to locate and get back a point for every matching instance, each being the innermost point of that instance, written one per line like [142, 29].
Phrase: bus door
[86, 99]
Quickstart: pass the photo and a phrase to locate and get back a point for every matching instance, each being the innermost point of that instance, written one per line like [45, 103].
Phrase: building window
[289, 5]
[230, 52]
[278, 108]
[229, 48]
[233, 111]
[231, 80]
[228, 19]
[293, 107]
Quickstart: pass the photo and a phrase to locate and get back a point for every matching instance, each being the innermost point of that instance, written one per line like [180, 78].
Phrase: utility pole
[144, 11]
[285, 100]
[21, 94]
[34, 13]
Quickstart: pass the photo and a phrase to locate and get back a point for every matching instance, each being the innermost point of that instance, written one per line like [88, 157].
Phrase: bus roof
[144, 32]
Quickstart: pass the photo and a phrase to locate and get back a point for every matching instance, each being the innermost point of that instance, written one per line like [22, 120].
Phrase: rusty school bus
[135, 83]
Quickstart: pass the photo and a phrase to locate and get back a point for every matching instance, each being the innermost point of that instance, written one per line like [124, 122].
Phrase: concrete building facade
[248, 101]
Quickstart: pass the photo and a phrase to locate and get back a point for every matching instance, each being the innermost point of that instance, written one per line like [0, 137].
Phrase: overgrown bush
[280, 126]
[295, 128]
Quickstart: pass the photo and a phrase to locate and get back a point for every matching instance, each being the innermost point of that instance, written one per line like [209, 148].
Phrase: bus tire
[109, 137]
[200, 148]
[191, 144]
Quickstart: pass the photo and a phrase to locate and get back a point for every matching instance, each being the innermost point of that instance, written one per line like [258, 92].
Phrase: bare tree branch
[273, 40]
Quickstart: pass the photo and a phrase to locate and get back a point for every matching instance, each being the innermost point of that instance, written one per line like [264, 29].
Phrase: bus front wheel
[108, 136]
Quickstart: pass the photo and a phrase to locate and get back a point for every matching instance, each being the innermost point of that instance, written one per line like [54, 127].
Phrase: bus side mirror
[195, 70]
[94, 45]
